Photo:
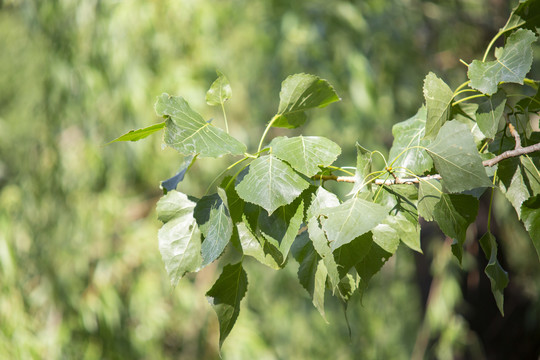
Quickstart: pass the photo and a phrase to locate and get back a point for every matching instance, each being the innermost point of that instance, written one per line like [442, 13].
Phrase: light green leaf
[489, 114]
[270, 183]
[252, 247]
[438, 103]
[429, 194]
[301, 92]
[322, 199]
[512, 65]
[530, 215]
[364, 164]
[351, 219]
[457, 160]
[370, 265]
[225, 297]
[217, 233]
[305, 153]
[136, 135]
[220, 91]
[320, 243]
[188, 133]
[408, 145]
[454, 213]
[494, 271]
[179, 238]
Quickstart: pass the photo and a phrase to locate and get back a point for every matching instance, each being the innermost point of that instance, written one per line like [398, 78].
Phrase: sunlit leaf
[305, 153]
[174, 204]
[135, 135]
[364, 165]
[512, 65]
[301, 92]
[438, 98]
[225, 296]
[494, 271]
[217, 233]
[270, 183]
[490, 112]
[252, 247]
[188, 133]
[530, 215]
[457, 160]
[220, 91]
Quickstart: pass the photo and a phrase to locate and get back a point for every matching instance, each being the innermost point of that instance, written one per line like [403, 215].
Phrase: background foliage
[80, 271]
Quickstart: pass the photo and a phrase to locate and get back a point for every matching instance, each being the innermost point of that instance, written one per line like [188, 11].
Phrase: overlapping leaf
[530, 215]
[251, 246]
[525, 14]
[320, 243]
[188, 133]
[457, 160]
[494, 271]
[490, 112]
[270, 183]
[512, 64]
[429, 194]
[409, 144]
[370, 265]
[217, 233]
[364, 164]
[301, 92]
[305, 153]
[438, 98]
[225, 296]
[519, 180]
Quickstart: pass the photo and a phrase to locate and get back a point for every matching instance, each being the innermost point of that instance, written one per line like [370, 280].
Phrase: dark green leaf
[519, 180]
[351, 219]
[490, 112]
[409, 144]
[438, 103]
[235, 203]
[305, 153]
[299, 93]
[530, 215]
[457, 160]
[352, 253]
[188, 133]
[320, 243]
[225, 297]
[429, 194]
[217, 233]
[312, 275]
[204, 206]
[454, 213]
[494, 271]
[370, 265]
[135, 135]
[525, 14]
[512, 65]
[220, 91]
[172, 183]
[251, 246]
[270, 183]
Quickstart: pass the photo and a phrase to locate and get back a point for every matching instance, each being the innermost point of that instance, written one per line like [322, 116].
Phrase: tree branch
[512, 153]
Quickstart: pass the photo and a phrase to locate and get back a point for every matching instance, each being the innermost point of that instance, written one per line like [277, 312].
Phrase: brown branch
[512, 153]
[514, 133]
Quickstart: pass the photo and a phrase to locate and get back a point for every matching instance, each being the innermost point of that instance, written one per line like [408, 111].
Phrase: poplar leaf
[220, 91]
[312, 275]
[320, 243]
[370, 265]
[217, 233]
[225, 296]
[530, 215]
[490, 112]
[172, 183]
[439, 98]
[252, 247]
[136, 135]
[364, 166]
[494, 271]
[429, 194]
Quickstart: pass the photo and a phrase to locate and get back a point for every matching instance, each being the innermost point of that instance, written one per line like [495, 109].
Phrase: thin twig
[514, 133]
[512, 153]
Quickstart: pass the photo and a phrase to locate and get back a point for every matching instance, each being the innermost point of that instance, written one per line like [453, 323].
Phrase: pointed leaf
[351, 219]
[454, 213]
[217, 233]
[408, 145]
[174, 204]
[220, 91]
[489, 114]
[299, 93]
[172, 183]
[252, 247]
[429, 194]
[370, 265]
[530, 215]
[494, 271]
[305, 153]
[438, 104]
[188, 133]
[312, 275]
[457, 160]
[320, 243]
[512, 65]
[136, 135]
[352, 253]
[225, 297]
[270, 183]
[364, 166]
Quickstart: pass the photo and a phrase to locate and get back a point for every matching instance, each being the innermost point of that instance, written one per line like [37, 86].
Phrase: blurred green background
[80, 272]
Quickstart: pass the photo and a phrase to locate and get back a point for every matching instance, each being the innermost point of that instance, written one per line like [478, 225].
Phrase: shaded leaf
[350, 254]
[270, 183]
[305, 153]
[512, 65]
[438, 104]
[312, 275]
[429, 194]
[519, 180]
[494, 271]
[301, 92]
[530, 215]
[188, 133]
[457, 160]
[490, 112]
[225, 296]
[136, 135]
[320, 243]
[235, 203]
[525, 14]
[251, 246]
[172, 183]
[370, 265]
[220, 91]
[217, 233]
[408, 145]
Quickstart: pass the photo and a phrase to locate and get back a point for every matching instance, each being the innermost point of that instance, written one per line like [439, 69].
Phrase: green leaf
[490, 112]
[512, 65]
[465, 113]
[351, 219]
[305, 153]
[494, 271]
[220, 91]
[457, 160]
[188, 133]
[179, 238]
[530, 215]
[225, 297]
[408, 145]
[172, 183]
[517, 181]
[320, 243]
[312, 275]
[291, 219]
[352, 253]
[438, 103]
[454, 213]
[301, 92]
[322, 199]
[235, 203]
[270, 183]
[370, 265]
[526, 14]
[252, 247]
[136, 135]
[217, 233]
[429, 194]
[364, 164]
